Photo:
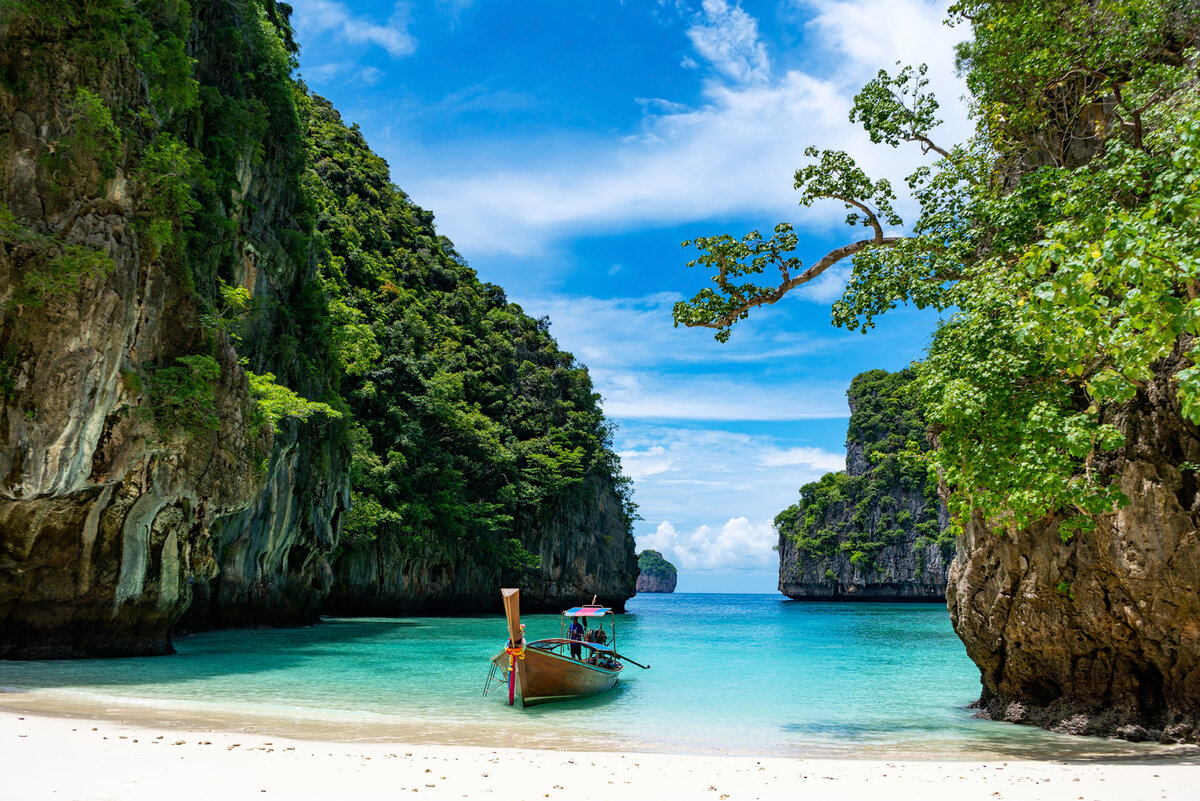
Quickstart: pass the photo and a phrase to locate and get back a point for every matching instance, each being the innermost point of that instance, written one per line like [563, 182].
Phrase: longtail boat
[558, 668]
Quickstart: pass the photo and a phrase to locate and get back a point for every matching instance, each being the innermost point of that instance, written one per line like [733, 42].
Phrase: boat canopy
[587, 611]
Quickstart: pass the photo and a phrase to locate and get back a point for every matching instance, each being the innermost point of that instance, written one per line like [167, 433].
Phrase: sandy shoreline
[78, 757]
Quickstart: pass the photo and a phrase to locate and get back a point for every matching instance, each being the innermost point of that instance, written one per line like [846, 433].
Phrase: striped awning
[587, 611]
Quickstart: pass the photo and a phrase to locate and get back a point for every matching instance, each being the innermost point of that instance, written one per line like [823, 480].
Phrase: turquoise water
[729, 674]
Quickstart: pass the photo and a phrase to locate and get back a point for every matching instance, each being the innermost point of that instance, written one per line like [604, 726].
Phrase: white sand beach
[78, 757]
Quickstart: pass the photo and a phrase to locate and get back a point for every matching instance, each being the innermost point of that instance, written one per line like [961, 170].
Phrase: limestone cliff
[133, 458]
[481, 453]
[1100, 634]
[655, 574]
[876, 532]
[581, 549]
[212, 303]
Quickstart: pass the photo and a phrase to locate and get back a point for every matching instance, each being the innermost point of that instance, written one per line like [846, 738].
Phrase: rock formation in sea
[1099, 634]
[656, 573]
[191, 335]
[876, 531]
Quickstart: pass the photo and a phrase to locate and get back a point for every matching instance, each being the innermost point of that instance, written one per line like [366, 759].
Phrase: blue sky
[567, 148]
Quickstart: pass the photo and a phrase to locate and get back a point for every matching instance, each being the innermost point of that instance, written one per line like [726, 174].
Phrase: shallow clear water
[729, 674]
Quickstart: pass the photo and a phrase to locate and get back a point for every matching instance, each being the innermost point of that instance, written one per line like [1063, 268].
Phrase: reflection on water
[738, 674]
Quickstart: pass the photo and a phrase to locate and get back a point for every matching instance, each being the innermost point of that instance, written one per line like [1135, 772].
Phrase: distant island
[877, 530]
[656, 573]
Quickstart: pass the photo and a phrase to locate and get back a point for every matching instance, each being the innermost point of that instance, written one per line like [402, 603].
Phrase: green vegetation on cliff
[651, 563]
[300, 281]
[1063, 235]
[885, 422]
[468, 418]
[180, 153]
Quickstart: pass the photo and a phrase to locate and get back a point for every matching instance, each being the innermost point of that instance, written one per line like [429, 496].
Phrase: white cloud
[621, 333]
[645, 395]
[647, 369]
[343, 72]
[828, 287]
[697, 478]
[330, 71]
[737, 544]
[313, 17]
[732, 154]
[482, 97]
[727, 37]
[642, 464]
[663, 539]
[812, 457]
[736, 154]
[660, 105]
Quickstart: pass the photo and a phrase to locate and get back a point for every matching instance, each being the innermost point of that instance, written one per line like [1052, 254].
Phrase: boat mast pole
[516, 642]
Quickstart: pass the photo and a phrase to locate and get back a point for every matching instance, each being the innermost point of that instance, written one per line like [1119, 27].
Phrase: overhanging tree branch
[767, 298]
[895, 110]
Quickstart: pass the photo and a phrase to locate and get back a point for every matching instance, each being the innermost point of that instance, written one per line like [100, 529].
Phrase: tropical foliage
[469, 419]
[1062, 238]
[652, 563]
[859, 514]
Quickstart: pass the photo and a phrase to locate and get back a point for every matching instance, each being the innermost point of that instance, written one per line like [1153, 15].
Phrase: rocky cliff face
[212, 302]
[272, 558]
[648, 583]
[1101, 634]
[903, 570]
[877, 531]
[582, 546]
[135, 469]
[584, 549]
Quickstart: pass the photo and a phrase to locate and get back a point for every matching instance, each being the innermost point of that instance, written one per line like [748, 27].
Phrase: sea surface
[736, 674]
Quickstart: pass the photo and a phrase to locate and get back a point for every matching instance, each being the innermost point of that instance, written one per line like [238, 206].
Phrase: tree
[1063, 236]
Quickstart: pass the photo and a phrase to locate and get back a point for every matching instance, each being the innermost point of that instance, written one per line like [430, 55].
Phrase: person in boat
[575, 634]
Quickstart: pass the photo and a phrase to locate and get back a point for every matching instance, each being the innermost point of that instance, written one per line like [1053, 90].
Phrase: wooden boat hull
[543, 675]
[548, 676]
